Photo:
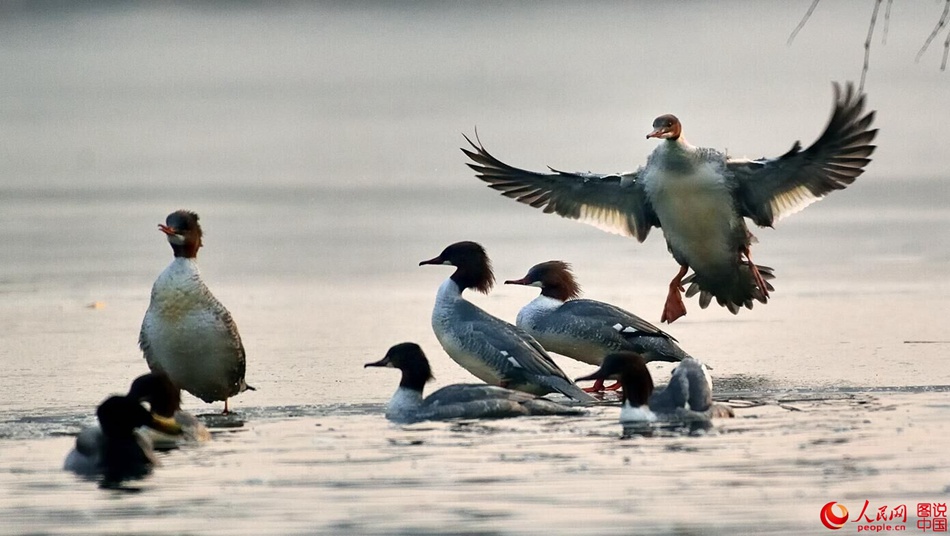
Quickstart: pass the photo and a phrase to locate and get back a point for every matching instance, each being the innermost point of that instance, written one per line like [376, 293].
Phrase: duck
[688, 396]
[187, 333]
[583, 329]
[494, 351]
[700, 198]
[457, 401]
[164, 401]
[114, 449]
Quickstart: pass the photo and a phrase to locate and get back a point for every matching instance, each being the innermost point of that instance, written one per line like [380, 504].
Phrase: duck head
[409, 358]
[666, 127]
[472, 266]
[553, 277]
[183, 232]
[159, 391]
[119, 416]
[631, 370]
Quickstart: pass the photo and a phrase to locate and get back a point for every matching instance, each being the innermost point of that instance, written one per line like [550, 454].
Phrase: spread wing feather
[767, 190]
[614, 203]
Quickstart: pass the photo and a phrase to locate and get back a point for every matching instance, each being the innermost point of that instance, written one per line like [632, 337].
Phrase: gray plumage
[583, 329]
[467, 401]
[687, 397]
[494, 351]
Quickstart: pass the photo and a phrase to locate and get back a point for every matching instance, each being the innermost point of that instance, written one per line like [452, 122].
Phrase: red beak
[170, 231]
[522, 281]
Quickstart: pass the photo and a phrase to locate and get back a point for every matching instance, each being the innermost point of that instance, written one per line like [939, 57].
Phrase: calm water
[320, 146]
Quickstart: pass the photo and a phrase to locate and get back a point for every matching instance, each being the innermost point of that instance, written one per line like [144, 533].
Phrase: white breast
[535, 310]
[696, 213]
[630, 413]
[187, 337]
[403, 404]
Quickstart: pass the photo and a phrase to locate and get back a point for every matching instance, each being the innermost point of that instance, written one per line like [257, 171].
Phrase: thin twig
[867, 44]
[940, 24]
[811, 9]
[946, 50]
[887, 21]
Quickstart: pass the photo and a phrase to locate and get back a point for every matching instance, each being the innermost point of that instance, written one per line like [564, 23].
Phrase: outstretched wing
[767, 190]
[612, 203]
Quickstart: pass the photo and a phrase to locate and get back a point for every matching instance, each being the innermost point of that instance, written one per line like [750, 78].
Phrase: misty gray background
[364, 95]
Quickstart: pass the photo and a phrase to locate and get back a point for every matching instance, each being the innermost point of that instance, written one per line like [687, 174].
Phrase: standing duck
[688, 396]
[187, 333]
[586, 330]
[699, 197]
[493, 350]
[466, 401]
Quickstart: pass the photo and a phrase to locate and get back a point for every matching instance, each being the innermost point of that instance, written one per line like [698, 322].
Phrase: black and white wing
[613, 203]
[767, 190]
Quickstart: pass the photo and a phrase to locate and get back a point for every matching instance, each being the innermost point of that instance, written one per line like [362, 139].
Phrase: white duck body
[692, 199]
[189, 335]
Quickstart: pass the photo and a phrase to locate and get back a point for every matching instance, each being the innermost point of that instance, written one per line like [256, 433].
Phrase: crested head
[666, 127]
[409, 358]
[183, 232]
[158, 390]
[473, 267]
[555, 279]
[631, 369]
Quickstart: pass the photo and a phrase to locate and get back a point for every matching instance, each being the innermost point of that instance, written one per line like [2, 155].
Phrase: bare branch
[867, 43]
[940, 24]
[811, 9]
[946, 49]
[887, 21]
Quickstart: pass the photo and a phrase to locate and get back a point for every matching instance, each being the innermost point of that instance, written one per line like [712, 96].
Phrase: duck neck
[637, 387]
[537, 309]
[404, 400]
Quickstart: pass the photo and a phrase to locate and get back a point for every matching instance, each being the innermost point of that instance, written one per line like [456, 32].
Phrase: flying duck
[700, 197]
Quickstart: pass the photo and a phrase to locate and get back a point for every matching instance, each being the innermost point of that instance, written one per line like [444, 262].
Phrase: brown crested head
[666, 127]
[183, 232]
[555, 279]
[473, 267]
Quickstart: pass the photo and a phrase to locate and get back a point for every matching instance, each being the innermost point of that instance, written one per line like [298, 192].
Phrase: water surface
[320, 147]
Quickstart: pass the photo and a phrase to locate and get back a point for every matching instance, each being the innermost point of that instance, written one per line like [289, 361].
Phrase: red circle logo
[832, 520]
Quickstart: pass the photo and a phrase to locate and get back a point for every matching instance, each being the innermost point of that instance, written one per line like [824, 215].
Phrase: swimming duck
[688, 396]
[187, 333]
[699, 197]
[586, 330]
[468, 401]
[493, 350]
[164, 401]
[114, 449]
